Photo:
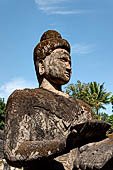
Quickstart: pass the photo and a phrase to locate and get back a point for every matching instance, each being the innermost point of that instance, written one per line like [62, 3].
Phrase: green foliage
[99, 95]
[78, 90]
[111, 100]
[2, 113]
[104, 117]
[92, 93]
[110, 120]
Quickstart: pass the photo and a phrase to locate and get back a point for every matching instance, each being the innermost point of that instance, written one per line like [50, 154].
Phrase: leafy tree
[92, 93]
[110, 120]
[104, 116]
[2, 113]
[111, 100]
[78, 91]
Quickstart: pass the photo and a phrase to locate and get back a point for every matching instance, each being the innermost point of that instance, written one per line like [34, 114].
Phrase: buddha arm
[39, 149]
[35, 150]
[19, 147]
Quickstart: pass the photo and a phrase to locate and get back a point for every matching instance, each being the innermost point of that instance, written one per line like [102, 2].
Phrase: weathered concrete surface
[38, 123]
[95, 156]
[3, 164]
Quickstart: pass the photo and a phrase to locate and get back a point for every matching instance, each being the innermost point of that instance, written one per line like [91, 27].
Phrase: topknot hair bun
[50, 34]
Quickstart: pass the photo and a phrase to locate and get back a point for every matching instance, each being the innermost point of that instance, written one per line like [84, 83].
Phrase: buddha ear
[41, 68]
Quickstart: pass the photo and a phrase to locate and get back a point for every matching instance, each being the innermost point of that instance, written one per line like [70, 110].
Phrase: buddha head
[52, 58]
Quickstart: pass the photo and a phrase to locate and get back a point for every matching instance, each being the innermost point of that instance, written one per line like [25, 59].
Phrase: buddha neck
[52, 87]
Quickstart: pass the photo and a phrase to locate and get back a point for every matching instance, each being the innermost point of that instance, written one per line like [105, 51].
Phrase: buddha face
[57, 67]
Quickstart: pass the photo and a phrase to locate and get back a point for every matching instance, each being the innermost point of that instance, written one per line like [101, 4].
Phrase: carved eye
[64, 59]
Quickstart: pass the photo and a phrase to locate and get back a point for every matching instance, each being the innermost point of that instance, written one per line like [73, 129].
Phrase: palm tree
[99, 96]
[92, 93]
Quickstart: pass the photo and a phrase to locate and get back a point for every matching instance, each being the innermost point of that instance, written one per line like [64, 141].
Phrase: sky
[86, 24]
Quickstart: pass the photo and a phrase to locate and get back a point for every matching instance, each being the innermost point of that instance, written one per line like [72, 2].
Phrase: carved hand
[70, 143]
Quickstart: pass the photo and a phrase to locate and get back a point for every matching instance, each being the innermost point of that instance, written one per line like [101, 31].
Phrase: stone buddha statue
[39, 131]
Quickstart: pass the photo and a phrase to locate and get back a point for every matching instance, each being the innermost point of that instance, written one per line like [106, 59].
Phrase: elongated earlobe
[41, 68]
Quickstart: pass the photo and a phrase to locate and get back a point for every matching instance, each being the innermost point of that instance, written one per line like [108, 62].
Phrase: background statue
[39, 130]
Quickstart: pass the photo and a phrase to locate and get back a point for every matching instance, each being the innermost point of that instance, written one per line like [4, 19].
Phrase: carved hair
[49, 41]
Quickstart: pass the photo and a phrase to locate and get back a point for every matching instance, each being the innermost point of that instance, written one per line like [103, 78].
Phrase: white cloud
[69, 12]
[18, 83]
[48, 2]
[82, 49]
[54, 7]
